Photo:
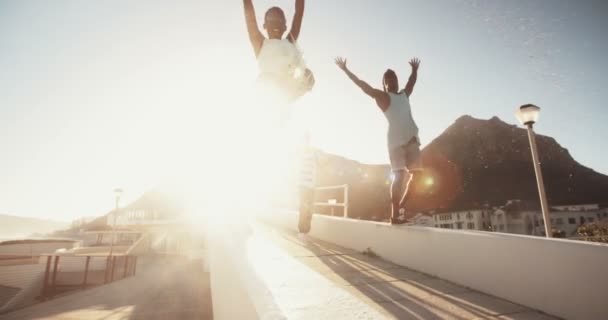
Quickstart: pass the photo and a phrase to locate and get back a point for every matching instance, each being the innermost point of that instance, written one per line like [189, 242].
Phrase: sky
[99, 95]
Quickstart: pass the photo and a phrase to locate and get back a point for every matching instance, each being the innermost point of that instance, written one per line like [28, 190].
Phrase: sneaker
[398, 221]
[402, 213]
[303, 237]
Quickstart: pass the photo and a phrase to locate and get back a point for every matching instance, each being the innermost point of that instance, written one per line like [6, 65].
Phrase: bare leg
[410, 189]
[306, 207]
[397, 192]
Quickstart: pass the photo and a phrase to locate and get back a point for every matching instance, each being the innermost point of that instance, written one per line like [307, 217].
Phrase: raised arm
[381, 97]
[296, 24]
[411, 82]
[255, 36]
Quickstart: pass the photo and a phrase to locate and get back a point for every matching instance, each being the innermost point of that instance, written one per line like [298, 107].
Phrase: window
[552, 221]
[559, 221]
[591, 219]
[469, 215]
[582, 219]
[572, 220]
[459, 225]
[470, 225]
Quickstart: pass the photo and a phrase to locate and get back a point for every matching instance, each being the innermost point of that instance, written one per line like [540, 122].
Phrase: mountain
[368, 190]
[472, 163]
[12, 227]
[489, 161]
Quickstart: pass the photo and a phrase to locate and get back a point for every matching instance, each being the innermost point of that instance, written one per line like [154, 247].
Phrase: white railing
[335, 204]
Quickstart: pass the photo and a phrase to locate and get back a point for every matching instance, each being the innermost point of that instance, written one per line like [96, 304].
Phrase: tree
[595, 232]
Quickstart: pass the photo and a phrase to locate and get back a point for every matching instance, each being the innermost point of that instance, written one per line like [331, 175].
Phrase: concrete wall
[237, 291]
[27, 295]
[19, 276]
[560, 277]
[96, 250]
[231, 298]
[34, 249]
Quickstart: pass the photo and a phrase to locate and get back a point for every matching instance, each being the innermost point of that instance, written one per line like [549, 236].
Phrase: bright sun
[251, 164]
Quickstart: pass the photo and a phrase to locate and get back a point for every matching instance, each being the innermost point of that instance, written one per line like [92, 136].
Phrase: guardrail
[332, 204]
[64, 273]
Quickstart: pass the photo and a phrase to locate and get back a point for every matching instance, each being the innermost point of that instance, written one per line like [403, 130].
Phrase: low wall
[231, 298]
[237, 291]
[560, 277]
[19, 276]
[96, 250]
[33, 249]
[27, 295]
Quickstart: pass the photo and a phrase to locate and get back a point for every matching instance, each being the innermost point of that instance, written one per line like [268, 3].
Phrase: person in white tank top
[402, 136]
[280, 61]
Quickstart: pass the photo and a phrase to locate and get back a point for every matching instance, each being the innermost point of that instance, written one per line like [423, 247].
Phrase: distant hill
[472, 163]
[12, 227]
[476, 161]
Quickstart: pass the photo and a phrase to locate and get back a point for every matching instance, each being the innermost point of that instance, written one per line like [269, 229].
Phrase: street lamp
[117, 193]
[528, 115]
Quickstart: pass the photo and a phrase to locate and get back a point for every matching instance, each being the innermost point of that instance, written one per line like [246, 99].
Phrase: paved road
[160, 290]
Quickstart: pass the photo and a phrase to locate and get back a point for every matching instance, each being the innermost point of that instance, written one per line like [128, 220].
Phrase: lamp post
[117, 193]
[528, 115]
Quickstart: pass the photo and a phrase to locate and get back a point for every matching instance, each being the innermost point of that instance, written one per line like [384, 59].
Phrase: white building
[520, 217]
[470, 219]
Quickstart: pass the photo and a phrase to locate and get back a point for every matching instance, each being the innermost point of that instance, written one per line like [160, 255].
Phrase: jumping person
[403, 141]
[279, 59]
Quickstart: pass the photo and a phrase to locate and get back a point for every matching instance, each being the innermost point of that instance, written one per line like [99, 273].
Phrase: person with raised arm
[280, 60]
[403, 140]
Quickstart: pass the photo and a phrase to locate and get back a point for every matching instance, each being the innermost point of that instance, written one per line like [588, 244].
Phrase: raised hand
[415, 63]
[341, 62]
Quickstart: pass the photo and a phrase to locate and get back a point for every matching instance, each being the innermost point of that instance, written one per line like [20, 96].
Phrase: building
[161, 221]
[466, 219]
[516, 216]
[521, 217]
[527, 218]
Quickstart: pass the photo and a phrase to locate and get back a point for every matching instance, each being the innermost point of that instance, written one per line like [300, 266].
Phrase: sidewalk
[159, 290]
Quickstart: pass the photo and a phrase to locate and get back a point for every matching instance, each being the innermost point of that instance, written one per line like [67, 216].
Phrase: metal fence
[334, 203]
[64, 273]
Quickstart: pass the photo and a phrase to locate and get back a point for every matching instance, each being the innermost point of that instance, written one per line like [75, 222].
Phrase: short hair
[388, 72]
[274, 9]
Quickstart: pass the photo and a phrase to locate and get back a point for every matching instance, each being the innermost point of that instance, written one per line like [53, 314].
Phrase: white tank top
[279, 58]
[401, 125]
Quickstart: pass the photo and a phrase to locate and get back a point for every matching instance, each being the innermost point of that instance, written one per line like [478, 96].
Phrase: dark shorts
[406, 156]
